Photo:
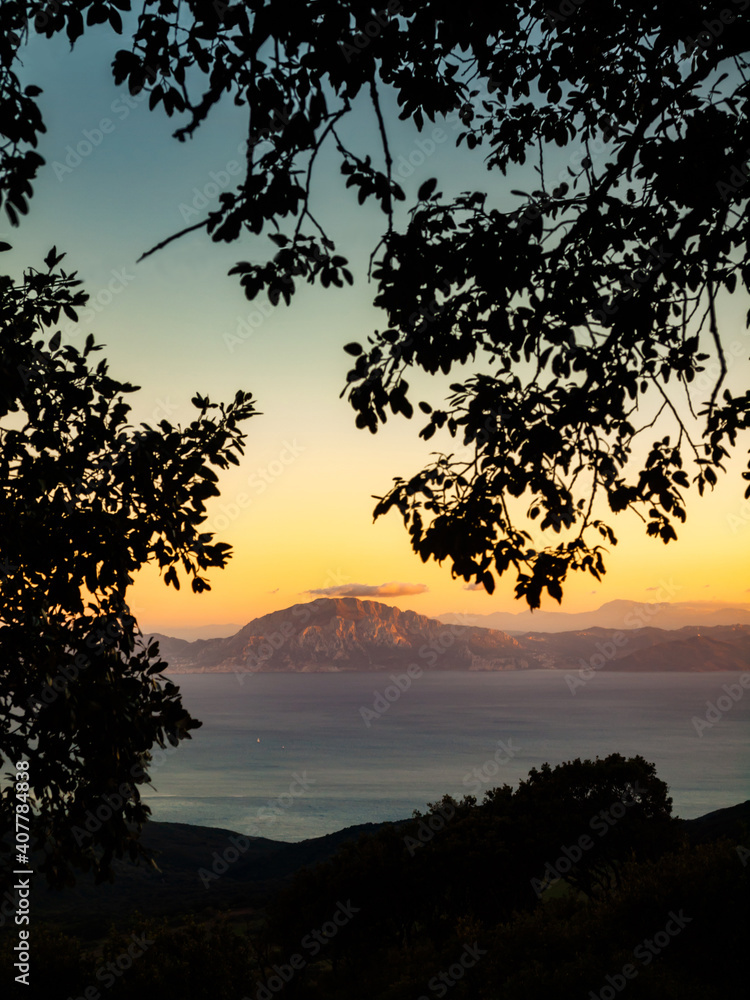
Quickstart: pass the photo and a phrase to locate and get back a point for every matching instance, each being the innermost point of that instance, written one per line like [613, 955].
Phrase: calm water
[289, 756]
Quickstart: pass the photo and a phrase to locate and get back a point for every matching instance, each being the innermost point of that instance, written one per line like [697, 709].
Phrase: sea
[293, 756]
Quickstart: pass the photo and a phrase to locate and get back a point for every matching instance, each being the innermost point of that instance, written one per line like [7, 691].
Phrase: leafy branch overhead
[591, 308]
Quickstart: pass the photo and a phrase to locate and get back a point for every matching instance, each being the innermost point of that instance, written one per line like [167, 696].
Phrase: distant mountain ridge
[347, 634]
[693, 649]
[613, 615]
[192, 632]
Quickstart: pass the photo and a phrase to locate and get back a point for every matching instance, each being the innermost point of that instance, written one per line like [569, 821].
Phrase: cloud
[474, 586]
[369, 590]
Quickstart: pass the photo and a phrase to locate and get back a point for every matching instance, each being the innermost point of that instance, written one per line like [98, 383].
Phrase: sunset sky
[298, 511]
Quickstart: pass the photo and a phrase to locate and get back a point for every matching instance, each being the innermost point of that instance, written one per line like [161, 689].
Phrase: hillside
[347, 634]
[687, 650]
[183, 850]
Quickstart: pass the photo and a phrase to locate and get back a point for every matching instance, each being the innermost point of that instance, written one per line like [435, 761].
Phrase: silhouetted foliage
[591, 301]
[468, 882]
[85, 501]
[676, 917]
[488, 861]
[619, 805]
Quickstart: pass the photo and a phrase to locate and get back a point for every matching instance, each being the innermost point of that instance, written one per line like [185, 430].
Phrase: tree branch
[170, 239]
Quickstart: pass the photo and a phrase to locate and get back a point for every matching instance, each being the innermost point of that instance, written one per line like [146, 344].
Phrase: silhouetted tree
[580, 821]
[85, 501]
[592, 816]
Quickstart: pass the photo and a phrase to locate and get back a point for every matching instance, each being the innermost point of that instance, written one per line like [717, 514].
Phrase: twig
[170, 239]
[386, 148]
[329, 128]
[717, 341]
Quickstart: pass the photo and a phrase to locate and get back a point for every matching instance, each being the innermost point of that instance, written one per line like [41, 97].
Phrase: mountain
[613, 615]
[687, 650]
[346, 634]
[334, 634]
[703, 652]
[192, 632]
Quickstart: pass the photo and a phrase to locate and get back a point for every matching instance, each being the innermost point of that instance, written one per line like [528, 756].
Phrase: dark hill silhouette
[182, 850]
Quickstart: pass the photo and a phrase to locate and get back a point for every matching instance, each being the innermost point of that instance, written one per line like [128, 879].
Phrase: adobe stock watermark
[735, 180]
[312, 943]
[289, 629]
[643, 614]
[444, 811]
[275, 808]
[716, 710]
[270, 812]
[734, 352]
[220, 863]
[265, 476]
[714, 28]
[607, 651]
[113, 802]
[384, 700]
[422, 151]
[570, 855]
[259, 481]
[430, 653]
[581, 158]
[429, 825]
[639, 617]
[372, 29]
[641, 276]
[566, 10]
[478, 777]
[271, 643]
[218, 181]
[93, 138]
[79, 489]
[94, 819]
[645, 952]
[443, 981]
[739, 519]
[108, 973]
[245, 326]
